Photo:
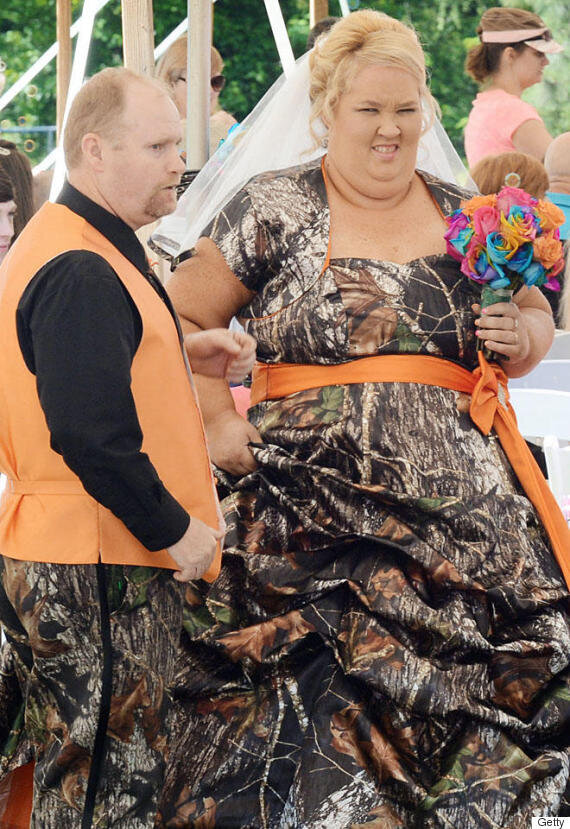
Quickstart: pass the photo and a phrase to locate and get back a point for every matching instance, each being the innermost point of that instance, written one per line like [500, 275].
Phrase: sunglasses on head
[217, 82]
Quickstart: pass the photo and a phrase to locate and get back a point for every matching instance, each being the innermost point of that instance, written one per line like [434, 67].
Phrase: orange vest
[45, 513]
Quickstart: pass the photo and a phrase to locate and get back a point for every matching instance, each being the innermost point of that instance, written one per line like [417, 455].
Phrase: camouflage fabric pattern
[388, 643]
[53, 656]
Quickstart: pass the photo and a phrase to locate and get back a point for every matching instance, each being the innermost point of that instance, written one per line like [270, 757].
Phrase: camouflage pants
[94, 649]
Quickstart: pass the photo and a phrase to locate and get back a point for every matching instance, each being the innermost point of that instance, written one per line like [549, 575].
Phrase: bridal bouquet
[506, 240]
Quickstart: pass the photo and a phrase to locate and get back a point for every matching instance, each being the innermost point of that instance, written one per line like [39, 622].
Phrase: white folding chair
[542, 412]
[549, 374]
[558, 465]
[560, 348]
[545, 414]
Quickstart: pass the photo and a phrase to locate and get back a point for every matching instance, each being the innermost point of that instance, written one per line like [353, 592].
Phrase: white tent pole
[77, 74]
[169, 39]
[344, 7]
[280, 35]
[198, 83]
[45, 163]
[40, 63]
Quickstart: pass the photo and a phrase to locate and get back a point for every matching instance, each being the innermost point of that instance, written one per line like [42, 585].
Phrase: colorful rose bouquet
[507, 240]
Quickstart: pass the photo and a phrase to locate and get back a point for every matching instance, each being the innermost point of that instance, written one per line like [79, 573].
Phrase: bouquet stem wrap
[489, 296]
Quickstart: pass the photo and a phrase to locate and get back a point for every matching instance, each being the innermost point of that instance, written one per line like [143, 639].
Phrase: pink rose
[510, 196]
[485, 221]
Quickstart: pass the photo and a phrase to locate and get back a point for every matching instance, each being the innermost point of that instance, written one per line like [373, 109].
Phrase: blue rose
[534, 274]
[484, 270]
[521, 259]
[501, 282]
[497, 249]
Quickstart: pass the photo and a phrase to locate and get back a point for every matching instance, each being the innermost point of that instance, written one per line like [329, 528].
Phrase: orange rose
[547, 249]
[550, 215]
[469, 207]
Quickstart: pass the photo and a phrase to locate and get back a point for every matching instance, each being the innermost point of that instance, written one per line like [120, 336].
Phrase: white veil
[276, 135]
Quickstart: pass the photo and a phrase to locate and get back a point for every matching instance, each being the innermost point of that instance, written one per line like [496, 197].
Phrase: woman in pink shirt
[510, 58]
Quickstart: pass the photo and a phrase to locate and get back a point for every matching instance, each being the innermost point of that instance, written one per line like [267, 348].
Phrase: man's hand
[228, 436]
[219, 352]
[195, 551]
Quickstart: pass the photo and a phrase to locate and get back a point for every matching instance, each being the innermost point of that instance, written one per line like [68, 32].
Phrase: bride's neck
[368, 195]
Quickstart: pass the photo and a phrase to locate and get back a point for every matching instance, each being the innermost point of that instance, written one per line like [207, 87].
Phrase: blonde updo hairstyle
[484, 59]
[364, 38]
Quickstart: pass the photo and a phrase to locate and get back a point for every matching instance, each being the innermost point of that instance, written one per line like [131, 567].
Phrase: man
[109, 486]
[557, 164]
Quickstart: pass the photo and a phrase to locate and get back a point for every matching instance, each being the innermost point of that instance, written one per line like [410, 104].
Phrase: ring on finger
[515, 323]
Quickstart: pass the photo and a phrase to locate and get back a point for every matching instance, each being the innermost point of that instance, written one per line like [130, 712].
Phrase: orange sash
[489, 409]
[16, 798]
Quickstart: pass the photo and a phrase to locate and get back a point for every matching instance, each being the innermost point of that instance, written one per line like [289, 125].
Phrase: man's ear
[92, 149]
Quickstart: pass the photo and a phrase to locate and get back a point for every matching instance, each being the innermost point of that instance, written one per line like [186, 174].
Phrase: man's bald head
[99, 107]
[557, 159]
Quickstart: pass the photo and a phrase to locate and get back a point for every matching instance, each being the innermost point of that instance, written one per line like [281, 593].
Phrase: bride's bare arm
[206, 294]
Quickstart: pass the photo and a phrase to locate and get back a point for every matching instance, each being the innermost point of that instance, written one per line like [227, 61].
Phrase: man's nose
[176, 162]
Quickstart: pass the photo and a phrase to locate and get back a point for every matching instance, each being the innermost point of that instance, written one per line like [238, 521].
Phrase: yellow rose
[515, 232]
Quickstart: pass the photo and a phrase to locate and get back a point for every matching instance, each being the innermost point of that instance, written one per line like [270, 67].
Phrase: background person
[323, 25]
[510, 170]
[109, 490]
[7, 213]
[374, 650]
[557, 164]
[172, 68]
[510, 58]
[17, 166]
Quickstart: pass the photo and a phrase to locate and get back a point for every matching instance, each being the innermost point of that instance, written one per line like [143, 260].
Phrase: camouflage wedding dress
[388, 643]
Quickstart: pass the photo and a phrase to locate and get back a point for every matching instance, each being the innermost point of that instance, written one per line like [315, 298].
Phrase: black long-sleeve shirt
[79, 330]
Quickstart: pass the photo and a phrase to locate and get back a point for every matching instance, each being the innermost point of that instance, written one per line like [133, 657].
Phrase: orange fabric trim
[489, 409]
[18, 809]
[45, 487]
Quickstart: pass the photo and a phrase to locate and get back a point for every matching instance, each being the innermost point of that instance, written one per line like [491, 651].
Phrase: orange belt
[490, 408]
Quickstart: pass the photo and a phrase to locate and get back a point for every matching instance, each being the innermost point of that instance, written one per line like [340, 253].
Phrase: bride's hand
[503, 329]
[228, 437]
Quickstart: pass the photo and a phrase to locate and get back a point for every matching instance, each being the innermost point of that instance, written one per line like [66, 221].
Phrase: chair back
[558, 465]
[542, 412]
[549, 374]
[560, 348]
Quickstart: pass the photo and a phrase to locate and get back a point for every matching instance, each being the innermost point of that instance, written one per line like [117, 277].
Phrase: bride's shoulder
[447, 194]
[299, 176]
[290, 195]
